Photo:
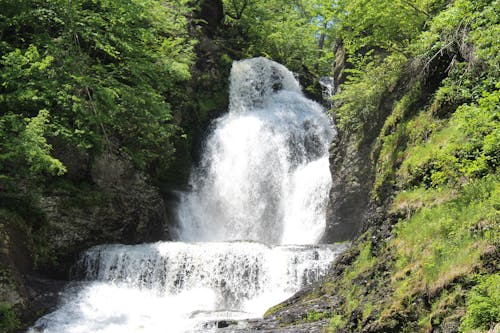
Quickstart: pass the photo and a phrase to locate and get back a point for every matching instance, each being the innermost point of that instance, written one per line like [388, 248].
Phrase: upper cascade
[264, 174]
[254, 80]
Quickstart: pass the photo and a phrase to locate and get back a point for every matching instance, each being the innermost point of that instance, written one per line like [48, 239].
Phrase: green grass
[467, 147]
[413, 200]
[274, 309]
[443, 242]
[441, 245]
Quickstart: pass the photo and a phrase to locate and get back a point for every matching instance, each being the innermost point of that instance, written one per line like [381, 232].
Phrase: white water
[260, 191]
[264, 174]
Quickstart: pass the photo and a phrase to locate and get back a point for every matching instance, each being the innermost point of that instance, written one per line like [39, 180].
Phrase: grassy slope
[430, 263]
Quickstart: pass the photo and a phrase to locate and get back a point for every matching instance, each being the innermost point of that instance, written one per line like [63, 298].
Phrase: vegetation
[431, 95]
[422, 77]
[93, 74]
[483, 304]
[136, 77]
[295, 33]
[8, 318]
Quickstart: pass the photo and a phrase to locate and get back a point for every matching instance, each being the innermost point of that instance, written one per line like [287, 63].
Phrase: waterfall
[264, 174]
[246, 233]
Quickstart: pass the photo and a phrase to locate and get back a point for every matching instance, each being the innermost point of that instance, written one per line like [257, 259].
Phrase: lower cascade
[247, 231]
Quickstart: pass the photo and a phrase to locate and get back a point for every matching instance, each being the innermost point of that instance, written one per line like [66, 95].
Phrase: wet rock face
[108, 201]
[352, 179]
[340, 64]
[120, 207]
[292, 315]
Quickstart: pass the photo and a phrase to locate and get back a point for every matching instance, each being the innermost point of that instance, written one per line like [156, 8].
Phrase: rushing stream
[246, 233]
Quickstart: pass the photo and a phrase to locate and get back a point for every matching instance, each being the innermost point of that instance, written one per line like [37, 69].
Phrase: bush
[483, 304]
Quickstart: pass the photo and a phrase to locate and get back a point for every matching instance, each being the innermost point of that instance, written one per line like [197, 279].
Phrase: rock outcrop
[106, 201]
[119, 206]
[352, 176]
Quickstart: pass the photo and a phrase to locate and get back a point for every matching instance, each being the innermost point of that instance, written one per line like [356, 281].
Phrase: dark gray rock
[76, 160]
[291, 316]
[211, 13]
[340, 64]
[120, 207]
[352, 177]
[43, 295]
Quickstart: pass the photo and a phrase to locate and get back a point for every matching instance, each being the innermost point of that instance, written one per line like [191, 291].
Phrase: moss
[313, 316]
[274, 310]
[8, 318]
[448, 98]
[336, 322]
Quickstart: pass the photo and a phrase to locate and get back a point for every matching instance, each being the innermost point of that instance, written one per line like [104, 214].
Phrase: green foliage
[483, 304]
[274, 309]
[360, 100]
[313, 316]
[292, 33]
[395, 134]
[443, 306]
[100, 68]
[8, 318]
[389, 25]
[364, 262]
[23, 142]
[36, 148]
[86, 76]
[336, 322]
[24, 149]
[93, 75]
[410, 201]
[428, 72]
[467, 147]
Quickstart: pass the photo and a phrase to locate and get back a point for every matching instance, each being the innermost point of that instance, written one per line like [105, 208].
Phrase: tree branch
[238, 12]
[421, 11]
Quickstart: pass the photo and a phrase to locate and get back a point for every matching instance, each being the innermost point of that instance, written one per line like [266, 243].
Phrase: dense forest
[104, 105]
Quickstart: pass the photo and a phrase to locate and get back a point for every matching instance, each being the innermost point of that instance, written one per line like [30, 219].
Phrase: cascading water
[246, 232]
[264, 173]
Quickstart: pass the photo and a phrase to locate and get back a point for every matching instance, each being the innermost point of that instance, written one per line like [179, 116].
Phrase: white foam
[264, 174]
